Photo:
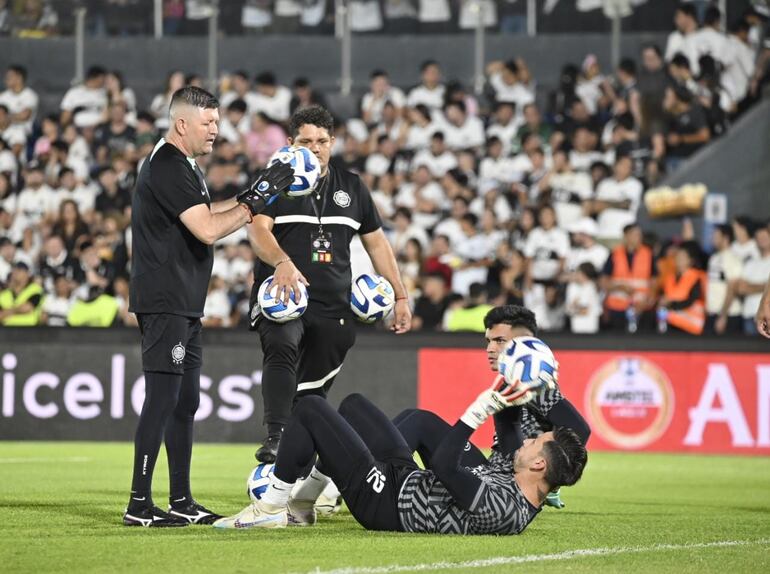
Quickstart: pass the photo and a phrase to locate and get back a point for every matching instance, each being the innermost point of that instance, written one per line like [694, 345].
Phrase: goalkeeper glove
[496, 398]
[554, 500]
[267, 186]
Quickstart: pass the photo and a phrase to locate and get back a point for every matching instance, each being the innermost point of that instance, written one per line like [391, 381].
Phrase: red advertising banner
[654, 401]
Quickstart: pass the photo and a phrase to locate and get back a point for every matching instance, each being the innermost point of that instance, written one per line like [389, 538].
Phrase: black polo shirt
[346, 208]
[171, 268]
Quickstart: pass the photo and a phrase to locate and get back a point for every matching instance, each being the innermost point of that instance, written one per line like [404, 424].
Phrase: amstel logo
[630, 401]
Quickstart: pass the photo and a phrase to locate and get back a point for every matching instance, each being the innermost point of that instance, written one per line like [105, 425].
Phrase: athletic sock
[277, 494]
[161, 392]
[311, 487]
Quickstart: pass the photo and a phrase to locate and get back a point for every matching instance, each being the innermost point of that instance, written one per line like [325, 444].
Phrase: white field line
[20, 459]
[508, 560]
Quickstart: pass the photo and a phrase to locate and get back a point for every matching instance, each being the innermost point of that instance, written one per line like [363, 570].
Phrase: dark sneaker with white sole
[269, 449]
[152, 517]
[194, 513]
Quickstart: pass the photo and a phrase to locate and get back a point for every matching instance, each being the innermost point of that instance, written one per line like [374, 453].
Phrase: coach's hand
[266, 188]
[287, 279]
[403, 316]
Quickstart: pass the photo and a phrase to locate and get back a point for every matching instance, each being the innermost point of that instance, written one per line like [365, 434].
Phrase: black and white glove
[268, 185]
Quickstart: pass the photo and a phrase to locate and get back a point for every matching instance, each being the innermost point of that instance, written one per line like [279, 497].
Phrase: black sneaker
[193, 513]
[152, 516]
[269, 449]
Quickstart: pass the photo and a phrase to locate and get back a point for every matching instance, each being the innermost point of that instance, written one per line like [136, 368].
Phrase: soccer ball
[276, 310]
[524, 359]
[371, 297]
[306, 167]
[258, 481]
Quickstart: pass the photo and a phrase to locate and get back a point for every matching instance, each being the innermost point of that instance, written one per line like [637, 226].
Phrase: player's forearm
[223, 224]
[564, 414]
[508, 430]
[222, 206]
[385, 264]
[462, 484]
[265, 246]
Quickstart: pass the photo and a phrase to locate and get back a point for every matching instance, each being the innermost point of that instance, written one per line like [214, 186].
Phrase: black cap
[21, 265]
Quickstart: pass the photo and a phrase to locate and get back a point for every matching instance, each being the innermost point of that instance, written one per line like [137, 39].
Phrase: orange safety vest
[692, 318]
[637, 276]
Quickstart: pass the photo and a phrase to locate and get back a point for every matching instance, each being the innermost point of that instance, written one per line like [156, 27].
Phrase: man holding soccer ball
[306, 240]
[366, 455]
[548, 408]
[174, 227]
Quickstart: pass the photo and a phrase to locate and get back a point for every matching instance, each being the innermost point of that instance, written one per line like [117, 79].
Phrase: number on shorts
[376, 479]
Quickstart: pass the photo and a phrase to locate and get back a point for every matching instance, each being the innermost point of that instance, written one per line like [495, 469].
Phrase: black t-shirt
[346, 208]
[432, 314]
[688, 123]
[171, 268]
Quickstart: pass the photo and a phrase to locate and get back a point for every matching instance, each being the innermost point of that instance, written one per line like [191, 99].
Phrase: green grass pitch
[61, 504]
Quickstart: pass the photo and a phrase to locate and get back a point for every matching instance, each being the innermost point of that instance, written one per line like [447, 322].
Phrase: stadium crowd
[486, 200]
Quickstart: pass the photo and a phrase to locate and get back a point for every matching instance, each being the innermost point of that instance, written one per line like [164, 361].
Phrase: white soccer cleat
[256, 515]
[301, 512]
[330, 500]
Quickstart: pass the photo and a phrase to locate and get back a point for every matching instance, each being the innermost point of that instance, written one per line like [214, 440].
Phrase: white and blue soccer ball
[525, 359]
[307, 168]
[371, 297]
[275, 309]
[259, 480]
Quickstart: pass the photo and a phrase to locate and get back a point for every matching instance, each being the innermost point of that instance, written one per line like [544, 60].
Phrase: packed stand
[507, 197]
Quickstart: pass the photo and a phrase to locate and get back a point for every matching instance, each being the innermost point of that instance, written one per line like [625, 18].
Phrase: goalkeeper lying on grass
[371, 463]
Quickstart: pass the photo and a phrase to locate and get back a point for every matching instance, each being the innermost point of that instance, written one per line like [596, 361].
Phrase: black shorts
[170, 343]
[372, 493]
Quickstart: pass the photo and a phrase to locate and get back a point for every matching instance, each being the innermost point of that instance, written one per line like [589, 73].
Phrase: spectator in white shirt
[271, 99]
[585, 249]
[546, 249]
[504, 124]
[744, 246]
[239, 89]
[235, 123]
[568, 189]
[617, 200]
[438, 159]
[424, 197]
[739, 67]
[21, 101]
[511, 82]
[57, 303]
[430, 92]
[13, 135]
[404, 230]
[381, 161]
[421, 128]
[380, 92]
[724, 268]
[86, 103]
[584, 153]
[365, 15]
[590, 85]
[216, 311]
[160, 103]
[434, 16]
[473, 11]
[474, 250]
[583, 303]
[461, 130]
[37, 200]
[710, 40]
[451, 227]
[683, 39]
[753, 279]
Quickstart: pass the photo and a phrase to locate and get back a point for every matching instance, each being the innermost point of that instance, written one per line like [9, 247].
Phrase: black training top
[345, 207]
[171, 268]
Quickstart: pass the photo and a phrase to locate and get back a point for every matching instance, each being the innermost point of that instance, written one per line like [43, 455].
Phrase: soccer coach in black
[308, 240]
[174, 227]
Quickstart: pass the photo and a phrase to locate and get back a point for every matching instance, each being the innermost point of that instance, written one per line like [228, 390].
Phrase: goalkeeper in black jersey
[371, 463]
[423, 430]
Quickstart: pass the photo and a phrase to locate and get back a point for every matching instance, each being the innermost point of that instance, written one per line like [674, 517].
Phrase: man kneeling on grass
[371, 463]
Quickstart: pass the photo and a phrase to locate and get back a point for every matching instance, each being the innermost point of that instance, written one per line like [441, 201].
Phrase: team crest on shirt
[341, 198]
[177, 353]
